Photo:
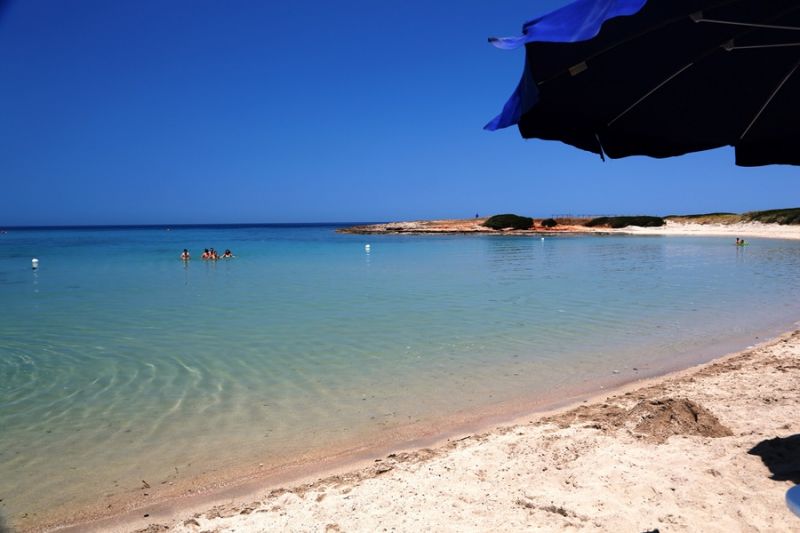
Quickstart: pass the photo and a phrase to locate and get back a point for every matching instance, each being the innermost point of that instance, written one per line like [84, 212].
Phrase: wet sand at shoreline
[711, 448]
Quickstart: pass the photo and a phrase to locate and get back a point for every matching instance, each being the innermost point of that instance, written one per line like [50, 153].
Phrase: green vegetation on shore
[567, 223]
[549, 223]
[772, 216]
[517, 222]
[623, 222]
[509, 221]
[704, 215]
[775, 216]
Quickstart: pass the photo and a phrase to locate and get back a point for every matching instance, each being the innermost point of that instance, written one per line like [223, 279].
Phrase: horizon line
[183, 225]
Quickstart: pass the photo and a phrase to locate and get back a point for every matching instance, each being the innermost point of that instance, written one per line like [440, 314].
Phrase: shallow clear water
[120, 363]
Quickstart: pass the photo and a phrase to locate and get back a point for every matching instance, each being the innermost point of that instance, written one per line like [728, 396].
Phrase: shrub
[707, 218]
[549, 223]
[623, 222]
[775, 216]
[772, 216]
[702, 215]
[509, 221]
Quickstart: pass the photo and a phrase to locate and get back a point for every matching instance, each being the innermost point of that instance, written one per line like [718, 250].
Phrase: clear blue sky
[205, 111]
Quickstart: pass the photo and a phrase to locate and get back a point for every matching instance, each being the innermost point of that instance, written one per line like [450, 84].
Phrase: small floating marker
[366, 248]
[34, 263]
[542, 238]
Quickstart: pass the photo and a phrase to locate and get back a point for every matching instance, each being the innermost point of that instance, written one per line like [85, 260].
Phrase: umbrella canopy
[662, 78]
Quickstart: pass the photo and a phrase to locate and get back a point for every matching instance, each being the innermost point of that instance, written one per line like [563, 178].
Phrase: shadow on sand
[4, 527]
[782, 456]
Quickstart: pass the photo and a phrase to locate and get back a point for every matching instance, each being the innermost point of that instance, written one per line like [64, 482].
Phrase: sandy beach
[739, 229]
[711, 448]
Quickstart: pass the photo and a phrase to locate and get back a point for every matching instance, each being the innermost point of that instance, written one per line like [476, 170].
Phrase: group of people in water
[208, 254]
[740, 242]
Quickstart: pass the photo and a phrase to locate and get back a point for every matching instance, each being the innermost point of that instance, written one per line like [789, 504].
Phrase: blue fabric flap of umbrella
[662, 78]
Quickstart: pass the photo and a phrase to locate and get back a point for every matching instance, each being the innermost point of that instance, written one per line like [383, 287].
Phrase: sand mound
[655, 419]
[662, 418]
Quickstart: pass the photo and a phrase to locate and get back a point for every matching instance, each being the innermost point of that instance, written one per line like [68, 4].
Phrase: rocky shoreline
[573, 226]
[456, 226]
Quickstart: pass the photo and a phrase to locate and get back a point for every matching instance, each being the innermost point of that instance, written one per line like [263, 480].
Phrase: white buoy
[542, 238]
[366, 248]
[34, 263]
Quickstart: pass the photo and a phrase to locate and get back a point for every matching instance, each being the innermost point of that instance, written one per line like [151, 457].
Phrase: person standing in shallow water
[185, 255]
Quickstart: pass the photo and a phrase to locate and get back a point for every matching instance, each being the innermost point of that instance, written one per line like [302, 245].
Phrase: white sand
[605, 466]
[740, 229]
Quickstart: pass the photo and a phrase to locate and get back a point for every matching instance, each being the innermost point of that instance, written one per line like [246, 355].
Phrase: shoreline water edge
[712, 446]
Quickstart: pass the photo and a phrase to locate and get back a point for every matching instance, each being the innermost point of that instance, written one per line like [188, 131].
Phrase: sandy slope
[740, 229]
[710, 449]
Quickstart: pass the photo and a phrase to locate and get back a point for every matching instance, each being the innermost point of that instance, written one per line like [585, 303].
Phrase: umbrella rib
[771, 96]
[663, 24]
[755, 46]
[696, 17]
[746, 24]
[651, 91]
[710, 51]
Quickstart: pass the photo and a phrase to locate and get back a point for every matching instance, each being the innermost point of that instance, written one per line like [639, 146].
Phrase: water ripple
[120, 365]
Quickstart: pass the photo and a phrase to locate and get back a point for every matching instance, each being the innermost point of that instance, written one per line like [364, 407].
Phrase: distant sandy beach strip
[739, 229]
[475, 226]
[711, 448]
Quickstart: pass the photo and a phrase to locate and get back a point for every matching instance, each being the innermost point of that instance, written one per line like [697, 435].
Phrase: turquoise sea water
[119, 363]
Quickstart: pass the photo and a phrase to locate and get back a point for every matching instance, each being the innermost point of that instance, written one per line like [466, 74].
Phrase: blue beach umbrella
[662, 78]
[793, 499]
